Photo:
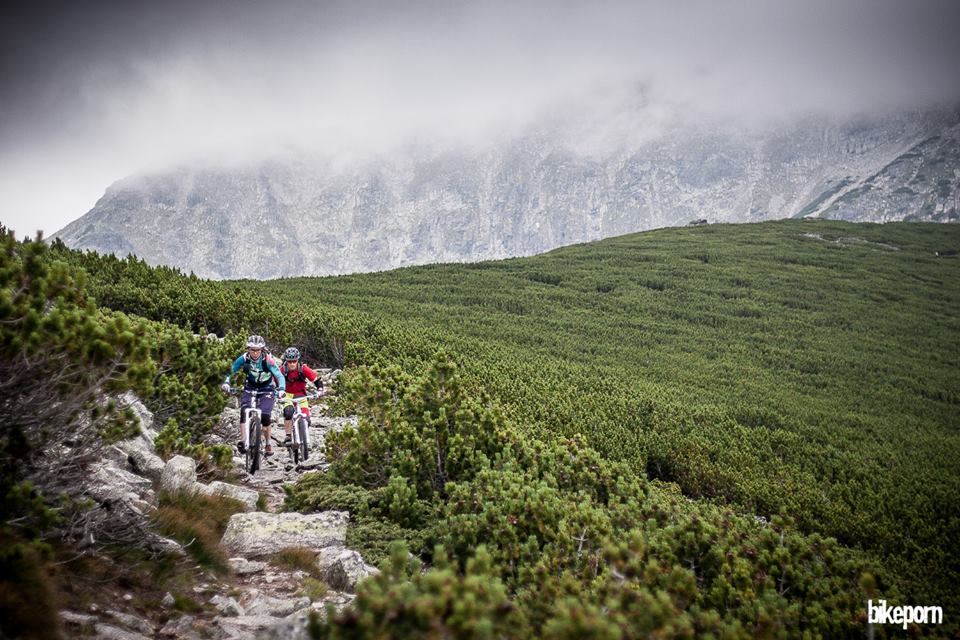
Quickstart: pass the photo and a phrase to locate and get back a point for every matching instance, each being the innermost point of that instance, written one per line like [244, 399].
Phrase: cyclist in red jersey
[297, 375]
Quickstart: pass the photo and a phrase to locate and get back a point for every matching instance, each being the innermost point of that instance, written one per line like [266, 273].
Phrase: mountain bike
[299, 445]
[253, 430]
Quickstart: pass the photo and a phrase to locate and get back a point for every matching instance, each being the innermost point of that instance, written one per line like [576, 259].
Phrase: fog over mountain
[308, 216]
[348, 91]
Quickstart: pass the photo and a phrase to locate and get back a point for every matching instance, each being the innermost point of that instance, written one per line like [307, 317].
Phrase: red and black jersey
[297, 379]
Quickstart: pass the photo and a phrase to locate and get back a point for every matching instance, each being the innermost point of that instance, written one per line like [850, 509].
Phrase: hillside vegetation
[800, 368]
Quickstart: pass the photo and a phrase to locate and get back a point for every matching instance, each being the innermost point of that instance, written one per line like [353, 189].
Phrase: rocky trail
[259, 597]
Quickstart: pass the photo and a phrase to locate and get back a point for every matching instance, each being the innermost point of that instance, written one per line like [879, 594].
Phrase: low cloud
[105, 89]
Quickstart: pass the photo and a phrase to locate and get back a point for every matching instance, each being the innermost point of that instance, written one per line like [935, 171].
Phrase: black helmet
[291, 354]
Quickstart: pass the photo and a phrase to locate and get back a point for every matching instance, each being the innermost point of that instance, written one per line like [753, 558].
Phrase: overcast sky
[92, 91]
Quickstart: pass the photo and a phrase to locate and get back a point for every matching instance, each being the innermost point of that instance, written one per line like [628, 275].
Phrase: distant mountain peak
[300, 216]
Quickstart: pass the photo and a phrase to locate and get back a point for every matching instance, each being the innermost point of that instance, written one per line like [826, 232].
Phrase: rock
[338, 599]
[168, 600]
[110, 632]
[139, 507]
[227, 606]
[180, 628]
[248, 497]
[211, 439]
[227, 424]
[293, 627]
[314, 462]
[267, 475]
[139, 452]
[109, 483]
[242, 566]
[257, 534]
[343, 568]
[244, 627]
[263, 605]
[179, 473]
[160, 544]
[141, 458]
[78, 619]
[132, 622]
[129, 399]
[328, 423]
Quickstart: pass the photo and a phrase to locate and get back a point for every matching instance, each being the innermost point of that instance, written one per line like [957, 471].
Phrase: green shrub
[401, 602]
[28, 608]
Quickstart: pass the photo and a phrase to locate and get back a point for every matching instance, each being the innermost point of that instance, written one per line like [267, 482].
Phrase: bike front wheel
[253, 451]
[302, 433]
[294, 446]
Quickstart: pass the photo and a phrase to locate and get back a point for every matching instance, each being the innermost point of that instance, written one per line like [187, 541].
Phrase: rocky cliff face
[534, 193]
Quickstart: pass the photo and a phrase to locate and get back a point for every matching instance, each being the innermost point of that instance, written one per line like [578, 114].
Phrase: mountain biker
[296, 375]
[261, 374]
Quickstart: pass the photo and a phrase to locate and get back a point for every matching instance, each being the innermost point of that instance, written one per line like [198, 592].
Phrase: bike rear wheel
[292, 450]
[294, 446]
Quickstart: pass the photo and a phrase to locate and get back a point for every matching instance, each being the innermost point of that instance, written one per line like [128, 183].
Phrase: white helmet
[256, 342]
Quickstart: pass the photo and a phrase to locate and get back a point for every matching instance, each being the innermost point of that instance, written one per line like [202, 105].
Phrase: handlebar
[309, 396]
[235, 391]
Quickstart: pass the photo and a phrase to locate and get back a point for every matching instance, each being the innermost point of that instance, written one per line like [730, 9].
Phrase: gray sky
[93, 91]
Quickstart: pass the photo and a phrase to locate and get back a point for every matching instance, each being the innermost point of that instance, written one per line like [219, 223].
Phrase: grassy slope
[752, 363]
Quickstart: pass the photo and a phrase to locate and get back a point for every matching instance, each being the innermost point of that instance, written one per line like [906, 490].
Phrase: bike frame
[300, 402]
[254, 406]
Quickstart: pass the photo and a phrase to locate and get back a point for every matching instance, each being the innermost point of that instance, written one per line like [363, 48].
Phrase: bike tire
[302, 432]
[292, 451]
[255, 437]
[247, 458]
[294, 447]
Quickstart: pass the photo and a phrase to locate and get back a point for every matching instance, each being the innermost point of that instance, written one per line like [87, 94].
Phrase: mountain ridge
[528, 196]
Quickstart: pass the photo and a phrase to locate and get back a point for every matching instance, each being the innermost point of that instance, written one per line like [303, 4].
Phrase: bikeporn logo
[882, 613]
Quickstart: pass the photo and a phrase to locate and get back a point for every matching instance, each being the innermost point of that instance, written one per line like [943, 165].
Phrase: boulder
[78, 619]
[227, 426]
[242, 566]
[248, 497]
[180, 473]
[227, 606]
[244, 627]
[343, 568]
[139, 452]
[110, 632]
[141, 458]
[132, 622]
[109, 483]
[258, 534]
[315, 461]
[147, 432]
[183, 628]
[263, 605]
[159, 544]
[296, 626]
